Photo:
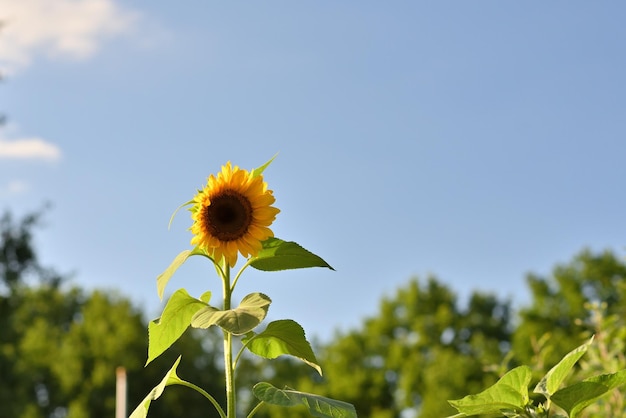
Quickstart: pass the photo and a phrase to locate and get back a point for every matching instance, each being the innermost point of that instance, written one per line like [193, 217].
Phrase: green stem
[228, 349]
[232, 287]
[256, 408]
[205, 394]
[230, 382]
[241, 350]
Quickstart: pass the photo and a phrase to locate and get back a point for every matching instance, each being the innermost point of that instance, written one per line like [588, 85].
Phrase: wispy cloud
[29, 149]
[58, 28]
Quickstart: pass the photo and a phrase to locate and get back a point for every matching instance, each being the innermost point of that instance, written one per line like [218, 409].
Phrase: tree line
[60, 345]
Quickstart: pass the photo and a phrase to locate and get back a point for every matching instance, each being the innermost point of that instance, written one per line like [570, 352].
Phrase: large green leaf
[573, 399]
[250, 312]
[550, 383]
[174, 320]
[283, 337]
[285, 255]
[165, 277]
[171, 378]
[319, 406]
[508, 393]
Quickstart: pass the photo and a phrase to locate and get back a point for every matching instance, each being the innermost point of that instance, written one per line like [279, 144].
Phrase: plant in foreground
[231, 216]
[509, 396]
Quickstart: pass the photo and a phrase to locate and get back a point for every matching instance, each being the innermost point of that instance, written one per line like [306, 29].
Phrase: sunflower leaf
[277, 254]
[282, 337]
[250, 312]
[174, 320]
[510, 392]
[171, 378]
[259, 170]
[319, 406]
[206, 296]
[553, 379]
[165, 277]
[573, 399]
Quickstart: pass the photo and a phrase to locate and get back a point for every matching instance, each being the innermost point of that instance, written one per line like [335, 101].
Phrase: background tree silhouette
[60, 345]
[422, 348]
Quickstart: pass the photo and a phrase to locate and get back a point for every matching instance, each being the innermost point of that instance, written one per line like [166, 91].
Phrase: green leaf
[165, 277]
[174, 320]
[510, 392]
[250, 312]
[284, 255]
[319, 406]
[171, 378]
[573, 399]
[553, 379]
[280, 338]
[259, 170]
[206, 296]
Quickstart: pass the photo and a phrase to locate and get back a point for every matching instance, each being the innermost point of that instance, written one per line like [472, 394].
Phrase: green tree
[419, 350]
[423, 348]
[606, 355]
[581, 298]
[18, 260]
[60, 345]
[560, 307]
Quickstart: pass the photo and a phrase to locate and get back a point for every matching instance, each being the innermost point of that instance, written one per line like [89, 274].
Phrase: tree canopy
[60, 345]
[422, 347]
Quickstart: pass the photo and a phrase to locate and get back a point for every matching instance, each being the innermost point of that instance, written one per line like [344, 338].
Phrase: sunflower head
[232, 214]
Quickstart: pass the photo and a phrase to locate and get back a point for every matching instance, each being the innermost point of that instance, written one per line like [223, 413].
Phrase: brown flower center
[228, 216]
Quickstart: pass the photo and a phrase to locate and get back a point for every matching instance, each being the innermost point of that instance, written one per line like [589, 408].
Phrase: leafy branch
[509, 396]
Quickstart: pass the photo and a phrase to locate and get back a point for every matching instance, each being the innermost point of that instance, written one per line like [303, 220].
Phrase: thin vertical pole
[120, 392]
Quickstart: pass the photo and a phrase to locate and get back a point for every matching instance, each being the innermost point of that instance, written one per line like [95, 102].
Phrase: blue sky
[476, 141]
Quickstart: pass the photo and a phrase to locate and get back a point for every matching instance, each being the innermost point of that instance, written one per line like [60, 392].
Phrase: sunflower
[232, 214]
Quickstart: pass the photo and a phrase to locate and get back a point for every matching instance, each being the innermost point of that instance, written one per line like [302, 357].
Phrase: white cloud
[29, 149]
[58, 28]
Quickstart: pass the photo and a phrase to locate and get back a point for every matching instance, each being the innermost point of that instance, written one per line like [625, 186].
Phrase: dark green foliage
[418, 351]
[18, 261]
[60, 346]
[423, 348]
